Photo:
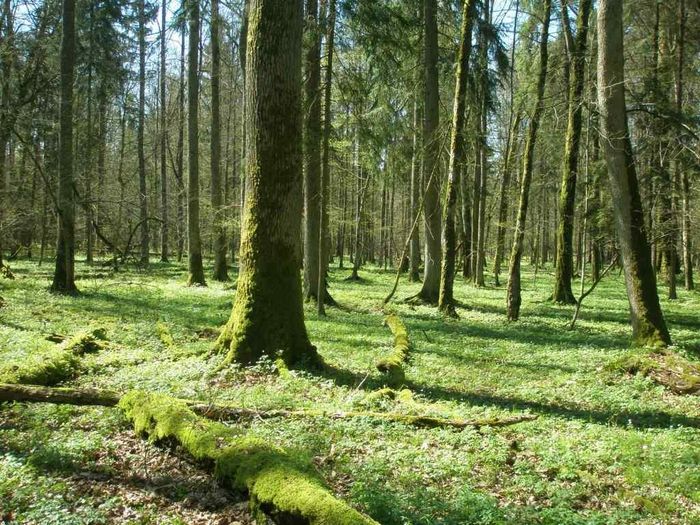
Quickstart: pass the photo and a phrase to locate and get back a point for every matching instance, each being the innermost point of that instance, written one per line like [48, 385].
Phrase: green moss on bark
[278, 485]
[392, 364]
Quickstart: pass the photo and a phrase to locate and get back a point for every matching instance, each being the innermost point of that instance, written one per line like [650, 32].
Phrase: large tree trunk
[648, 325]
[220, 245]
[431, 150]
[268, 316]
[312, 149]
[567, 198]
[143, 192]
[457, 158]
[196, 269]
[513, 298]
[64, 274]
[165, 226]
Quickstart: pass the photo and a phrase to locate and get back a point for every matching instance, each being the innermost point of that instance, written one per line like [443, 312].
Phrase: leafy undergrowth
[606, 448]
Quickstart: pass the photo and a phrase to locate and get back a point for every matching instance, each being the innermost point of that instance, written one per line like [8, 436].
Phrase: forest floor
[607, 448]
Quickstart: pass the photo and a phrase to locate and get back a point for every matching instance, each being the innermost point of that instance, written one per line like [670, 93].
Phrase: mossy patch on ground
[664, 367]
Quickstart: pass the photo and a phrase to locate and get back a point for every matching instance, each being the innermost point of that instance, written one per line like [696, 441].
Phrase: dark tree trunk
[165, 226]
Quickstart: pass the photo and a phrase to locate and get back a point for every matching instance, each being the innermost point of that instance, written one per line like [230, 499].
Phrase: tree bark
[268, 316]
[446, 302]
[143, 192]
[165, 226]
[196, 269]
[64, 274]
[567, 198]
[648, 325]
[431, 150]
[220, 244]
[514, 299]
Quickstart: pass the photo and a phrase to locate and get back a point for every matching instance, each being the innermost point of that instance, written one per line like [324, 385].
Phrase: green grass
[607, 448]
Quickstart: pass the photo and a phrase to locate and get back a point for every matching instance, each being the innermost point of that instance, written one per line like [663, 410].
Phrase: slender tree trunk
[648, 325]
[563, 292]
[220, 245]
[431, 150]
[180, 155]
[268, 316]
[446, 302]
[196, 269]
[514, 299]
[414, 265]
[324, 236]
[64, 275]
[143, 192]
[312, 150]
[165, 226]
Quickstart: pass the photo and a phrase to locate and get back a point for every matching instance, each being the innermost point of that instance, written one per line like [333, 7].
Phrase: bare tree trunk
[514, 298]
[143, 192]
[414, 265]
[648, 325]
[446, 302]
[165, 226]
[196, 269]
[220, 245]
[180, 155]
[64, 275]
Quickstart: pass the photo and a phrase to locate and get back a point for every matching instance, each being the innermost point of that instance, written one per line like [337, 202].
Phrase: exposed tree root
[392, 365]
[90, 396]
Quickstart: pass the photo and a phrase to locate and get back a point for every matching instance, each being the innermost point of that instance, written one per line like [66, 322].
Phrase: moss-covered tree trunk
[268, 316]
[648, 325]
[513, 297]
[217, 202]
[196, 268]
[431, 156]
[564, 257]
[143, 191]
[457, 158]
[64, 274]
[312, 149]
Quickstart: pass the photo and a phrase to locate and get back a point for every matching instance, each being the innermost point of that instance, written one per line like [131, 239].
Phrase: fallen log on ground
[97, 397]
[55, 365]
[392, 365]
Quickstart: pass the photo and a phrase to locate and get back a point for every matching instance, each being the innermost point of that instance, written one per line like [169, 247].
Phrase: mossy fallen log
[392, 365]
[92, 396]
[56, 365]
[664, 367]
[280, 486]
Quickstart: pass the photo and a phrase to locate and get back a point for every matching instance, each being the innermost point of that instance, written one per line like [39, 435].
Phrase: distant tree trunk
[431, 151]
[220, 245]
[567, 198]
[457, 156]
[414, 265]
[648, 325]
[143, 192]
[180, 155]
[325, 240]
[165, 226]
[268, 316]
[312, 150]
[196, 269]
[483, 171]
[685, 179]
[64, 275]
[508, 161]
[514, 298]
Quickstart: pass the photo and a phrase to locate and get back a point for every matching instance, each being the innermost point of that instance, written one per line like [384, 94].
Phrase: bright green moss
[664, 367]
[164, 334]
[277, 484]
[392, 365]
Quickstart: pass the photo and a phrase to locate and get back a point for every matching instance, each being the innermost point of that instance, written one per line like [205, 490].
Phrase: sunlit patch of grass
[606, 448]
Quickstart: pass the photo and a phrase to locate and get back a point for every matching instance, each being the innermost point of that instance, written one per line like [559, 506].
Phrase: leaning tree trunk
[143, 195]
[514, 298]
[457, 158]
[196, 269]
[567, 199]
[268, 316]
[431, 149]
[217, 204]
[163, 141]
[64, 275]
[648, 325]
[312, 149]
